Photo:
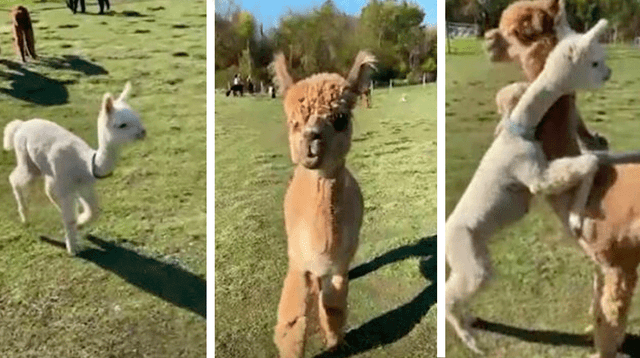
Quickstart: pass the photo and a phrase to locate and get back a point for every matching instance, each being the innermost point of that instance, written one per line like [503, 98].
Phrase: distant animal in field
[272, 91]
[236, 90]
[73, 5]
[23, 39]
[366, 97]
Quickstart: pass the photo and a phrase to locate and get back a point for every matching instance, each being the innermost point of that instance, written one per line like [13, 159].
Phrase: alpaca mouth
[142, 134]
[313, 159]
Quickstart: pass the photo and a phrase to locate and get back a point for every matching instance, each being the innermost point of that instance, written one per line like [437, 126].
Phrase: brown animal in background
[611, 230]
[365, 97]
[23, 39]
[323, 204]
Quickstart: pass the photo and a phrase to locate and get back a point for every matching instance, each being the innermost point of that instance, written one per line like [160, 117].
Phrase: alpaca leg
[101, 4]
[291, 328]
[49, 190]
[31, 43]
[107, 3]
[82, 7]
[576, 214]
[333, 308]
[597, 294]
[18, 42]
[68, 209]
[468, 258]
[89, 203]
[612, 309]
[559, 175]
[20, 178]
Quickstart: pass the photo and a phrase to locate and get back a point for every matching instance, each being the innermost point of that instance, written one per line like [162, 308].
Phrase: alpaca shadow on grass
[631, 344]
[33, 87]
[397, 323]
[169, 282]
[74, 63]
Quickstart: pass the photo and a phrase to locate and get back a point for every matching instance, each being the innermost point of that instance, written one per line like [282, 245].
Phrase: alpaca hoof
[72, 250]
[470, 342]
[575, 224]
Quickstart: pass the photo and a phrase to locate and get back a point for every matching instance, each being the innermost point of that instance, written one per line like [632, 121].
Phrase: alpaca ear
[561, 25]
[281, 75]
[360, 74]
[592, 35]
[582, 46]
[107, 104]
[125, 92]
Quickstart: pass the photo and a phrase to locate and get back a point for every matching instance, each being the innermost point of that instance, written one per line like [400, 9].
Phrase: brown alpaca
[323, 204]
[611, 231]
[23, 39]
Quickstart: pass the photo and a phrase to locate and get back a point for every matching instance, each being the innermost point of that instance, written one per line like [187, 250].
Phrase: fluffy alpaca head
[318, 111]
[578, 61]
[527, 33]
[117, 123]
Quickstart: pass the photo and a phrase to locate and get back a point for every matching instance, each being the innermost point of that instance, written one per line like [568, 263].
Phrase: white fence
[461, 29]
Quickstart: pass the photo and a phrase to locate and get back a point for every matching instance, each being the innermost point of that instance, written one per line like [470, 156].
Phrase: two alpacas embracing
[544, 125]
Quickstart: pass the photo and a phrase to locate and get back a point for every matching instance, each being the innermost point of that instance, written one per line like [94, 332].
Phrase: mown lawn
[138, 290]
[537, 304]
[393, 156]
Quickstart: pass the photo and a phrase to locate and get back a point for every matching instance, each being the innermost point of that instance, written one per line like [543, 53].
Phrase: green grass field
[393, 156]
[537, 304]
[138, 290]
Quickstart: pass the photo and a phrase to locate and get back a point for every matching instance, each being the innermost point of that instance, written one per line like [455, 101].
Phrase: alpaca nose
[312, 133]
[606, 78]
[143, 133]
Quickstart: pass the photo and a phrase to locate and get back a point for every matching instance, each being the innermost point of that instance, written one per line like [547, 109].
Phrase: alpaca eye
[595, 64]
[340, 122]
[123, 125]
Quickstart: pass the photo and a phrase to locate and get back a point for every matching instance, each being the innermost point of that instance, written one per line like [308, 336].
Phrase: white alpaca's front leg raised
[576, 215]
[90, 209]
[557, 176]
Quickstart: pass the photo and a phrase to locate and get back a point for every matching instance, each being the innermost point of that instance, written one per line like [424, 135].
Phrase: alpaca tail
[9, 132]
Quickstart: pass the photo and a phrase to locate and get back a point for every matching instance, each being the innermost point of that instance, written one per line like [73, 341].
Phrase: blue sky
[268, 12]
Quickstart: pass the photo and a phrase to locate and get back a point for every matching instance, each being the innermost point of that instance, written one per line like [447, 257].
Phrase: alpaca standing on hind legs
[514, 168]
[323, 204]
[69, 166]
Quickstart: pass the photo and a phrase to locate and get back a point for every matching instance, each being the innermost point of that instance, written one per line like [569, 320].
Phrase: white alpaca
[515, 167]
[68, 164]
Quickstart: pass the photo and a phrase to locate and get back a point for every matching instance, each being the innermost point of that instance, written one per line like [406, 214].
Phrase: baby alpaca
[514, 168]
[323, 203]
[69, 166]
[23, 39]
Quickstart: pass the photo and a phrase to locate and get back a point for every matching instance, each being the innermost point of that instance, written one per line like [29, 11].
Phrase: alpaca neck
[106, 156]
[105, 160]
[534, 103]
